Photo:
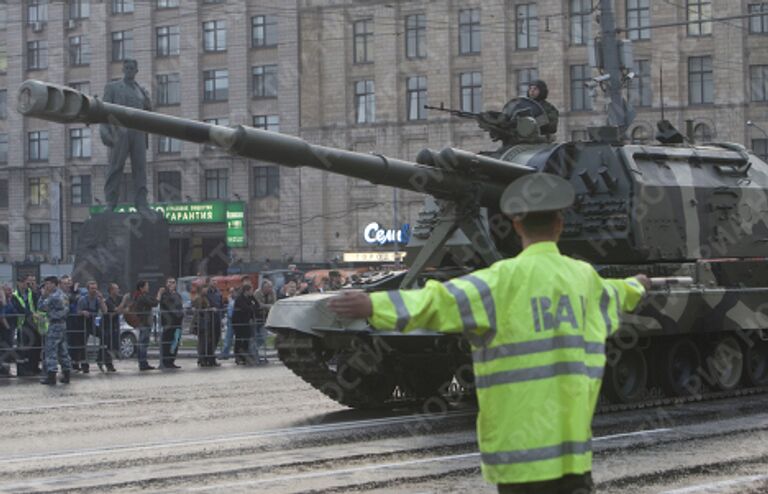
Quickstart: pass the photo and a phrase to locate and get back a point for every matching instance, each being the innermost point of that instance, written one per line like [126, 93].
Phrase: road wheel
[726, 363]
[756, 363]
[626, 381]
[682, 361]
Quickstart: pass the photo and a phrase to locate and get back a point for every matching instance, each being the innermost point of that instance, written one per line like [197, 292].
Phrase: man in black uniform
[171, 317]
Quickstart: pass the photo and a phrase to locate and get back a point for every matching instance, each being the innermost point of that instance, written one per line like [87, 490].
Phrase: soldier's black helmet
[543, 90]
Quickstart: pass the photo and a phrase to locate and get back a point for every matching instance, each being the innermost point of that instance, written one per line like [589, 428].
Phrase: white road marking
[67, 405]
[309, 429]
[365, 468]
[717, 486]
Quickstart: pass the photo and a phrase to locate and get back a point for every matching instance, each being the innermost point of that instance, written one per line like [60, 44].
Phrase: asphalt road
[236, 429]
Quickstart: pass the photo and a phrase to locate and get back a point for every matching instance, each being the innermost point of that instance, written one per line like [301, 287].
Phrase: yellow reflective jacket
[538, 325]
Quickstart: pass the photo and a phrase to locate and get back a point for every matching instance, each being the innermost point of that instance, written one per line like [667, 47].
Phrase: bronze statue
[123, 142]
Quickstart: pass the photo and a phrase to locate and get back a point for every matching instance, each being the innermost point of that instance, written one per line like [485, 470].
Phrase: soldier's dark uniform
[549, 109]
[56, 305]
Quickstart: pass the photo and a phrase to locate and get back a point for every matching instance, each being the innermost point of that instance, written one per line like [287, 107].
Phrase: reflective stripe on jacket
[538, 325]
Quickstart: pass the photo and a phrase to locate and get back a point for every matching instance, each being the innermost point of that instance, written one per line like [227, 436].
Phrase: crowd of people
[44, 327]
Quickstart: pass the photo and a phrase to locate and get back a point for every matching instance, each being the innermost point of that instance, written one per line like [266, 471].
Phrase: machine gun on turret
[520, 121]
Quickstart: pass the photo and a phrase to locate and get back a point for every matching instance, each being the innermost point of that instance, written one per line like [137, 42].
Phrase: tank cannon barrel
[61, 104]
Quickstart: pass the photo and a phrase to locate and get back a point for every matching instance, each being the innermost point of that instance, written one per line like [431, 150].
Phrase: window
[416, 36]
[167, 4]
[74, 235]
[363, 41]
[79, 50]
[216, 183]
[169, 186]
[524, 79]
[122, 45]
[215, 36]
[640, 88]
[37, 55]
[168, 89]
[223, 121]
[263, 31]
[580, 98]
[80, 142]
[122, 6]
[267, 122]
[527, 27]
[3, 104]
[216, 85]
[3, 193]
[365, 102]
[81, 190]
[581, 21]
[38, 191]
[3, 148]
[4, 238]
[702, 133]
[758, 82]
[168, 145]
[37, 145]
[167, 38]
[699, 13]
[416, 96]
[39, 237]
[266, 181]
[638, 19]
[759, 23]
[79, 9]
[700, 81]
[37, 11]
[760, 148]
[469, 31]
[640, 135]
[471, 91]
[264, 81]
[83, 87]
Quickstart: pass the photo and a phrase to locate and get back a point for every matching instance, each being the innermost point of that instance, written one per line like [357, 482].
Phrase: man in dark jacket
[29, 341]
[216, 304]
[6, 337]
[110, 326]
[171, 316]
[142, 304]
[246, 309]
[88, 307]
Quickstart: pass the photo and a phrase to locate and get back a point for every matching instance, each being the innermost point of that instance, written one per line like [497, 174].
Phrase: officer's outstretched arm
[461, 305]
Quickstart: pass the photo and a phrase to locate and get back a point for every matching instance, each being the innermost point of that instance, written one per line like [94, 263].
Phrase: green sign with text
[233, 213]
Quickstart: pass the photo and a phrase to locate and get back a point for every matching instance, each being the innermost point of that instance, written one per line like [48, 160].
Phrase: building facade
[349, 74]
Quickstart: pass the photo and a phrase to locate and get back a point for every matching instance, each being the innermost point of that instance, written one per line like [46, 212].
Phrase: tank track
[297, 352]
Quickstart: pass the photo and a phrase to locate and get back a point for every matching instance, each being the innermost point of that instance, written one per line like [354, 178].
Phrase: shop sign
[195, 213]
[373, 256]
[375, 234]
[236, 225]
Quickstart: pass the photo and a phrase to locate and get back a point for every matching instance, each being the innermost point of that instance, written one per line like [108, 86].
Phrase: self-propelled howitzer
[695, 213]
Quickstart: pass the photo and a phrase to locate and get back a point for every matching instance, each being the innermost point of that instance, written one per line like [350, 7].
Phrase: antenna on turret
[661, 88]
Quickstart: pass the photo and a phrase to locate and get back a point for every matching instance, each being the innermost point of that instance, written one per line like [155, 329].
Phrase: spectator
[230, 331]
[171, 317]
[246, 308]
[335, 280]
[110, 325]
[88, 307]
[288, 290]
[201, 326]
[266, 298]
[6, 337]
[142, 306]
[73, 321]
[216, 302]
[28, 339]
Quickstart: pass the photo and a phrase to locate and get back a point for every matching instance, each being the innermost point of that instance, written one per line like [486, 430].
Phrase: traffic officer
[56, 305]
[538, 324]
[28, 338]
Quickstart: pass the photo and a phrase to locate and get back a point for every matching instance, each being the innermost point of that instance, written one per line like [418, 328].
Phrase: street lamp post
[750, 123]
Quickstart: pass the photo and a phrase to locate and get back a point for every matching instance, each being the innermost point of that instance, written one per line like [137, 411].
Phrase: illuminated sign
[193, 213]
[373, 256]
[375, 234]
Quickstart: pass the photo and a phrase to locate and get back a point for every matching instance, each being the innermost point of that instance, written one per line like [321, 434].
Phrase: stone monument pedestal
[123, 248]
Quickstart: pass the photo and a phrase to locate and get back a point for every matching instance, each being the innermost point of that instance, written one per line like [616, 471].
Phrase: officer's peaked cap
[537, 193]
